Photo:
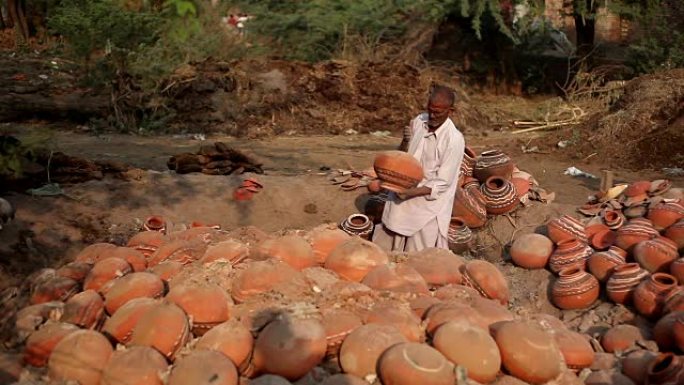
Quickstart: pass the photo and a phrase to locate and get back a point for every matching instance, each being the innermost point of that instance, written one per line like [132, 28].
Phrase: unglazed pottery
[663, 331]
[575, 289]
[104, 271]
[602, 263]
[499, 195]
[666, 369]
[259, 277]
[354, 258]
[399, 316]
[324, 241]
[470, 206]
[656, 255]
[569, 253]
[357, 224]
[164, 327]
[93, 253]
[454, 310]
[232, 339]
[460, 236]
[53, 289]
[396, 277]
[576, 349]
[677, 270]
[203, 367]
[665, 214]
[86, 310]
[468, 163]
[155, 223]
[676, 234]
[413, 363]
[134, 285]
[438, 267]
[119, 326]
[291, 249]
[229, 250]
[361, 350]
[624, 281]
[470, 347]
[493, 163]
[398, 170]
[603, 239]
[635, 231]
[338, 324]
[140, 365]
[635, 365]
[637, 188]
[147, 242]
[531, 251]
[621, 337]
[134, 257]
[207, 303]
[649, 296]
[75, 270]
[81, 356]
[40, 344]
[565, 228]
[613, 219]
[486, 279]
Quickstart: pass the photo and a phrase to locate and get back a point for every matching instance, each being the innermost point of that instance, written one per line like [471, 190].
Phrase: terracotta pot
[179, 250]
[32, 316]
[104, 271]
[231, 251]
[438, 267]
[396, 277]
[459, 235]
[375, 206]
[119, 327]
[361, 349]
[665, 214]
[75, 270]
[204, 367]
[486, 279]
[134, 285]
[637, 188]
[164, 327]
[522, 188]
[442, 313]
[566, 228]
[291, 249]
[147, 242]
[624, 281]
[54, 289]
[324, 241]
[491, 311]
[140, 365]
[499, 195]
[338, 324]
[531, 251]
[575, 289]
[548, 322]
[674, 301]
[613, 219]
[656, 255]
[601, 264]
[469, 205]
[575, 348]
[675, 193]
[635, 231]
[342, 379]
[649, 296]
[207, 304]
[676, 234]
[398, 170]
[621, 338]
[569, 253]
[412, 363]
[456, 292]
[677, 269]
[358, 224]
[354, 258]
[470, 347]
[678, 333]
[42, 342]
[663, 331]
[635, 365]
[399, 316]
[155, 223]
[666, 369]
[636, 211]
[493, 163]
[86, 310]
[167, 270]
[232, 339]
[594, 226]
[81, 356]
[259, 277]
[134, 257]
[290, 347]
[468, 163]
[528, 352]
[603, 239]
[93, 253]
[421, 304]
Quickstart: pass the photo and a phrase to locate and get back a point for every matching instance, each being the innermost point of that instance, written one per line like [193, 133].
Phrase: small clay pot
[86, 310]
[575, 289]
[259, 277]
[666, 369]
[396, 277]
[665, 214]
[470, 347]
[164, 327]
[413, 363]
[134, 285]
[624, 281]
[104, 271]
[204, 367]
[531, 251]
[139, 365]
[338, 324]
[468, 163]
[603, 239]
[613, 219]
[119, 327]
[663, 331]
[635, 231]
[621, 338]
[470, 206]
[398, 316]
[576, 349]
[649, 296]
[569, 253]
[155, 223]
[231, 251]
[500, 195]
[486, 279]
[601, 264]
[676, 234]
[656, 255]
[361, 350]
[635, 364]
[358, 224]
[398, 170]
[207, 303]
[438, 267]
[459, 235]
[42, 342]
[147, 242]
[81, 356]
[324, 241]
[354, 258]
[493, 163]
[566, 228]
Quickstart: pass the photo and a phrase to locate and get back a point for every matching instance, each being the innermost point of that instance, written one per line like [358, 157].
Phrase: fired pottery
[81, 356]
[204, 367]
[487, 279]
[401, 317]
[575, 348]
[594, 226]
[470, 206]
[412, 363]
[624, 281]
[621, 338]
[637, 188]
[493, 163]
[140, 365]
[179, 250]
[454, 310]
[491, 311]
[134, 285]
[53, 289]
[291, 249]
[259, 277]
[664, 330]
[575, 289]
[633, 232]
[119, 327]
[354, 258]
[398, 170]
[468, 163]
[656, 255]
[167, 270]
[635, 211]
[231, 251]
[666, 369]
[324, 241]
[438, 267]
[164, 327]
[531, 251]
[613, 219]
[676, 234]
[338, 324]
[231, 338]
[649, 296]
[674, 300]
[678, 333]
[603, 239]
[42, 342]
[358, 224]
[460, 236]
[421, 304]
[86, 310]
[374, 207]
[75, 270]
[500, 195]
[470, 347]
[400, 278]
[565, 228]
[677, 270]
[665, 214]
[569, 253]
[147, 242]
[528, 352]
[602, 263]
[155, 223]
[361, 350]
[635, 365]
[134, 257]
[207, 303]
[93, 253]
[104, 271]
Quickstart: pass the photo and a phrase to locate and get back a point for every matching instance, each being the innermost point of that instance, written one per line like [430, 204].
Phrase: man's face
[438, 109]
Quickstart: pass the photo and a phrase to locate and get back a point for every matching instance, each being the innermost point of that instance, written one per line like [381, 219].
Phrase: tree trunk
[585, 28]
[18, 18]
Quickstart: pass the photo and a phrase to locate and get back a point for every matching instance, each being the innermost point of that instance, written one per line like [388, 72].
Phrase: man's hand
[414, 192]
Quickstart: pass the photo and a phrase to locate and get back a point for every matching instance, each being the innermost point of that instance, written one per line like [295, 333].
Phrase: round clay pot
[459, 235]
[413, 363]
[470, 206]
[624, 281]
[398, 170]
[522, 188]
[147, 242]
[207, 303]
[576, 349]
[396, 277]
[86, 310]
[290, 347]
[398, 316]
[104, 271]
[134, 285]
[594, 226]
[438, 267]
[656, 255]
[53, 289]
[635, 231]
[231, 251]
[442, 313]
[569, 253]
[354, 258]
[164, 327]
[677, 269]
[575, 289]
[42, 342]
[291, 249]
[167, 270]
[361, 349]
[603, 239]
[637, 188]
[468, 163]
[486, 279]
[75, 270]
[204, 367]
[155, 223]
[232, 339]
[357, 224]
[527, 352]
[547, 322]
[663, 331]
[636, 211]
[338, 324]
[134, 257]
[621, 338]
[119, 327]
[139, 365]
[531, 251]
[649, 296]
[470, 347]
[260, 277]
[491, 311]
[500, 195]
[676, 234]
[456, 292]
[635, 365]
[613, 219]
[493, 163]
[666, 369]
[93, 253]
[81, 356]
[665, 214]
[324, 241]
[566, 228]
[674, 301]
[421, 304]
[343, 379]
[178, 250]
[601, 264]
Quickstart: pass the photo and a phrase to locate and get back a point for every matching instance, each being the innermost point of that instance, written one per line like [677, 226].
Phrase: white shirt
[440, 153]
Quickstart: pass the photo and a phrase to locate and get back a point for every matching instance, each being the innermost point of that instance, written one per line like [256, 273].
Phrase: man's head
[440, 105]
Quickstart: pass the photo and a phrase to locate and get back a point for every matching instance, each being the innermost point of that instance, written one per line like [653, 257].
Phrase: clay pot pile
[214, 159]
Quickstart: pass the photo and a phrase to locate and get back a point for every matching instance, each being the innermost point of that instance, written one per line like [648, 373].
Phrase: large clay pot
[676, 233]
[119, 327]
[531, 251]
[635, 231]
[134, 257]
[40, 343]
[232, 339]
[55, 288]
[486, 279]
[621, 338]
[338, 324]
[656, 255]
[460, 236]
[665, 214]
[565, 228]
[164, 327]
[624, 281]
[635, 364]
[204, 367]
[398, 170]
[93, 253]
[354, 258]
[357, 224]
[361, 350]
[500, 195]
[649, 296]
[75, 270]
[259, 277]
[397, 278]
[104, 271]
[663, 331]
[401, 317]
[438, 267]
[601, 264]
[470, 347]
[291, 249]
[134, 285]
[140, 365]
[230, 250]
[86, 310]
[413, 363]
[493, 163]
[147, 242]
[180, 250]
[569, 253]
[678, 333]
[674, 300]
[469, 205]
[324, 241]
[207, 303]
[677, 269]
[81, 356]
[575, 289]
[666, 369]
[576, 349]
[454, 310]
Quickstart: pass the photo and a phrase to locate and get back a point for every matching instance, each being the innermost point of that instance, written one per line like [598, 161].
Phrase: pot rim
[664, 279]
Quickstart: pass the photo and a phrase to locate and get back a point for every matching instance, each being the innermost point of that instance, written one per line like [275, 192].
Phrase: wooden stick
[550, 125]
[607, 178]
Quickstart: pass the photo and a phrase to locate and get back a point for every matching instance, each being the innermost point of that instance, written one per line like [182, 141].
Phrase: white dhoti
[428, 236]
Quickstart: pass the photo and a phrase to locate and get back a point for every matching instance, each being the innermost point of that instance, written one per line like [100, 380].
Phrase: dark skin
[439, 108]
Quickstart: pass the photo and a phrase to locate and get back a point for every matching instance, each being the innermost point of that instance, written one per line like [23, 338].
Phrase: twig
[545, 126]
